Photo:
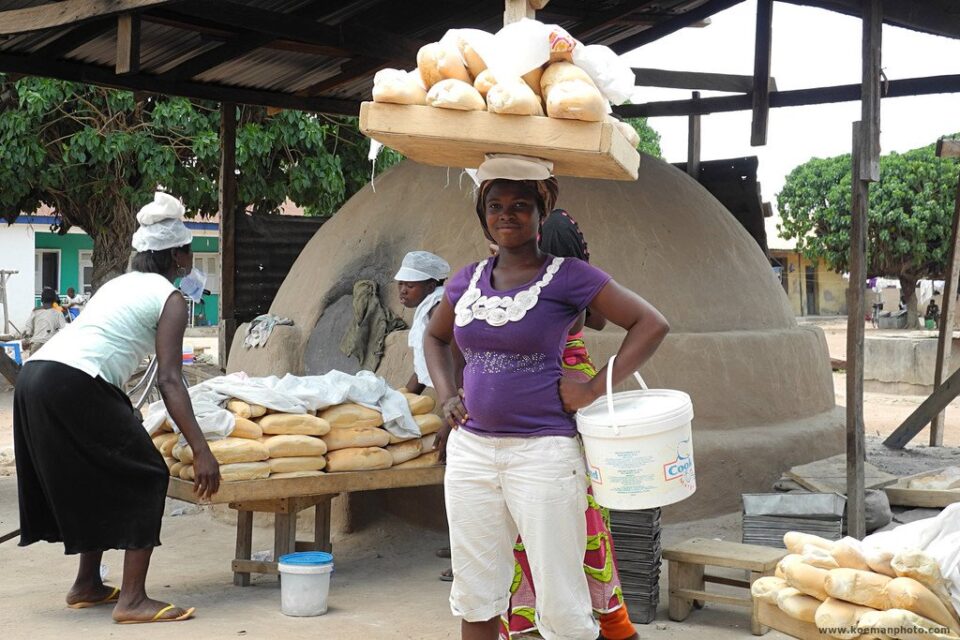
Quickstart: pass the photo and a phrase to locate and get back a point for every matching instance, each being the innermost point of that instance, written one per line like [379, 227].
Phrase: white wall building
[17, 253]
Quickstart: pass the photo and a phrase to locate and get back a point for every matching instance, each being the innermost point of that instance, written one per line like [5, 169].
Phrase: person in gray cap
[420, 285]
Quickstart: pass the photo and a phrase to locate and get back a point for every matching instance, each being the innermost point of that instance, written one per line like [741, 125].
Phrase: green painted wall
[71, 244]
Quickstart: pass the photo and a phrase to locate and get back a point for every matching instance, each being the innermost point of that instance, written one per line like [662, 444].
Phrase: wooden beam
[67, 13]
[947, 313]
[668, 79]
[228, 244]
[922, 415]
[516, 10]
[78, 72]
[947, 148]
[870, 95]
[693, 144]
[792, 98]
[75, 38]
[673, 25]
[761, 73]
[595, 21]
[856, 448]
[128, 44]
[939, 17]
[8, 368]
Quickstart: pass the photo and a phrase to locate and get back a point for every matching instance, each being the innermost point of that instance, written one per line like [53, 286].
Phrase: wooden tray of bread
[453, 138]
[924, 489]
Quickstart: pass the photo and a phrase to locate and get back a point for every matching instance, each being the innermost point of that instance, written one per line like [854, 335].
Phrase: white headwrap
[418, 266]
[161, 225]
[513, 167]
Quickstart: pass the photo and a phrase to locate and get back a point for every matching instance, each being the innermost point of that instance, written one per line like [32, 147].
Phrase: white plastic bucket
[639, 446]
[305, 583]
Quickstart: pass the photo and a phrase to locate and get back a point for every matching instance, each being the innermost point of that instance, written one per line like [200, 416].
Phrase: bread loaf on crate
[838, 615]
[428, 459]
[809, 580]
[286, 446]
[227, 451]
[859, 587]
[766, 588]
[245, 409]
[797, 604]
[244, 428]
[359, 459]
[455, 94]
[302, 424]
[403, 451]
[514, 97]
[351, 437]
[351, 415]
[298, 463]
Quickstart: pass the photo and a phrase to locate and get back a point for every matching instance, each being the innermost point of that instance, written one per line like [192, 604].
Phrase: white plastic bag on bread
[514, 97]
[464, 39]
[515, 50]
[612, 75]
[398, 87]
[455, 94]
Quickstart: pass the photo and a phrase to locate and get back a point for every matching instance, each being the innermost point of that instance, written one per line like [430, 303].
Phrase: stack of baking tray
[636, 537]
[767, 516]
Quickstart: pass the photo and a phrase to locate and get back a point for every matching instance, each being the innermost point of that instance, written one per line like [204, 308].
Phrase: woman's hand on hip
[454, 414]
[576, 395]
[206, 473]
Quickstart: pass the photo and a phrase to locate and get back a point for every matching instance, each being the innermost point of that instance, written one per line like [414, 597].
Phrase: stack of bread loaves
[346, 437]
[452, 75]
[850, 594]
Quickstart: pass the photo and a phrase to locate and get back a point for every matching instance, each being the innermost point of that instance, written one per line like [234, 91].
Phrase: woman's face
[512, 214]
[413, 293]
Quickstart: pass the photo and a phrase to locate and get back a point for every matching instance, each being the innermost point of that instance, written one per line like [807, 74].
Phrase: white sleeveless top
[117, 329]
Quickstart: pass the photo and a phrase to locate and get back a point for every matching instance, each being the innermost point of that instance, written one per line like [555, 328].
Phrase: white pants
[497, 487]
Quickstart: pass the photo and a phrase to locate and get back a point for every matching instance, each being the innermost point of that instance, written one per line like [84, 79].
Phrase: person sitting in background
[44, 321]
[73, 303]
[420, 285]
[933, 312]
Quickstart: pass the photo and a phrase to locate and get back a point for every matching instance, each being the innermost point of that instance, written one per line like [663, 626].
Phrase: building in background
[812, 288]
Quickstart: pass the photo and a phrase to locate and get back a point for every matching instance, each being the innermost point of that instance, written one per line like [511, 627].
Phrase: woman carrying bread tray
[560, 236]
[91, 477]
[514, 463]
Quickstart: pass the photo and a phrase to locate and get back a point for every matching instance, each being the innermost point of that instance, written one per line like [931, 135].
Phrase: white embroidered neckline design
[499, 310]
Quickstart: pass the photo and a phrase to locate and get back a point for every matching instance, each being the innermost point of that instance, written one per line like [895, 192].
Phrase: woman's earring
[181, 270]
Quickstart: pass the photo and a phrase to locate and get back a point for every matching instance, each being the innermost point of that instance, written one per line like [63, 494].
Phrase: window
[86, 273]
[46, 270]
[209, 263]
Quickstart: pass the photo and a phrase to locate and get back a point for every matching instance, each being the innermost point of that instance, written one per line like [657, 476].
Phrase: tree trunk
[908, 290]
[111, 245]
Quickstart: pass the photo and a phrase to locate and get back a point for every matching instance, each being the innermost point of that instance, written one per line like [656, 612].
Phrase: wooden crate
[770, 615]
[451, 138]
[901, 495]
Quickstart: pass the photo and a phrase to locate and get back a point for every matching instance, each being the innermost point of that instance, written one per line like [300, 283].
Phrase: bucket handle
[636, 374]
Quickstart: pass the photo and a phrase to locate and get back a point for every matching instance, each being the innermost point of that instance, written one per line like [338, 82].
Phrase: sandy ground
[385, 584]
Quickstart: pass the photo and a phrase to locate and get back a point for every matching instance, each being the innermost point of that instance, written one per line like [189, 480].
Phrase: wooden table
[285, 498]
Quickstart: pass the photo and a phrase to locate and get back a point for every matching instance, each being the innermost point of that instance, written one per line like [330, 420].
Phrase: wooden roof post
[128, 44]
[517, 10]
[856, 449]
[228, 208]
[693, 143]
[761, 73]
[946, 149]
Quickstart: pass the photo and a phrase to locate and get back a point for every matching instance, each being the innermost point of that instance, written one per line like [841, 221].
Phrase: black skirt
[87, 472]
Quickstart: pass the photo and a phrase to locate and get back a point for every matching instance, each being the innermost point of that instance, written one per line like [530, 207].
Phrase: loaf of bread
[819, 557]
[243, 471]
[294, 446]
[847, 554]
[186, 472]
[807, 579]
[351, 415]
[475, 64]
[879, 560]
[420, 405]
[165, 427]
[913, 563]
[227, 451]
[428, 459]
[859, 587]
[170, 462]
[244, 428]
[403, 451]
[353, 437]
[562, 72]
[944, 480]
[398, 87]
[532, 78]
[576, 100]
[359, 459]
[904, 625]
[795, 541]
[437, 62]
[484, 82]
[784, 561]
[295, 474]
[455, 94]
[165, 442]
[244, 409]
[628, 132]
[514, 97]
[766, 588]
[842, 618]
[298, 463]
[294, 424]
[907, 593]
[175, 469]
[797, 604]
[428, 423]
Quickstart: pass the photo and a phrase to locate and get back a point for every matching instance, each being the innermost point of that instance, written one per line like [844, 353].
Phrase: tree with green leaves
[94, 156]
[909, 219]
[649, 138]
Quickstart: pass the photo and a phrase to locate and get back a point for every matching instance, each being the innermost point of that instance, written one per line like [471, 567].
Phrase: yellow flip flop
[110, 599]
[157, 618]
